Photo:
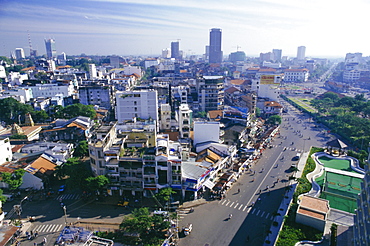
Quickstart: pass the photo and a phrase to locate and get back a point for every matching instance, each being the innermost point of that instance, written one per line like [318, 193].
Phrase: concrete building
[92, 71]
[19, 54]
[277, 54]
[99, 95]
[175, 50]
[165, 117]
[16, 78]
[238, 56]
[5, 150]
[185, 119]
[210, 92]
[140, 104]
[51, 51]
[313, 212]
[215, 52]
[296, 75]
[301, 52]
[50, 90]
[166, 53]
[267, 86]
[114, 61]
[206, 132]
[25, 93]
[361, 228]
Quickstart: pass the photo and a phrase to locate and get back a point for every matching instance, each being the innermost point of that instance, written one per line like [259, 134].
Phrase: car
[61, 189]
[296, 157]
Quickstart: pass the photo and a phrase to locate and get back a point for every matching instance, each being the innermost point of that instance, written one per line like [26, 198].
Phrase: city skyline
[144, 27]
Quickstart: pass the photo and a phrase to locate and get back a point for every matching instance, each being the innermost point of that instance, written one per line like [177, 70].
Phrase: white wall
[206, 131]
[5, 150]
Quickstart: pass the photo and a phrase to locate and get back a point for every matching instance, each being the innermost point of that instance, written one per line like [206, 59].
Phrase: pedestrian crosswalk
[48, 228]
[68, 197]
[247, 208]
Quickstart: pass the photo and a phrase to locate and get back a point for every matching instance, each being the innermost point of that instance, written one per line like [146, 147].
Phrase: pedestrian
[36, 233]
[44, 240]
[238, 190]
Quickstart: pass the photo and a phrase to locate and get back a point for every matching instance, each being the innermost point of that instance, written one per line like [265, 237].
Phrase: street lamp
[65, 214]
[18, 208]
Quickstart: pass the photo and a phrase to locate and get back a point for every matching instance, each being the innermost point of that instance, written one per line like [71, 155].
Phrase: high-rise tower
[215, 53]
[175, 50]
[301, 52]
[51, 51]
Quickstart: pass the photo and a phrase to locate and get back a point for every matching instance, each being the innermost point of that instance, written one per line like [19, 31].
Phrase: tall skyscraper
[19, 53]
[51, 51]
[215, 53]
[277, 54]
[175, 50]
[301, 52]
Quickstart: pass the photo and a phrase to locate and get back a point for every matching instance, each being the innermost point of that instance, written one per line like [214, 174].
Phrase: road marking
[258, 212]
[222, 203]
[245, 208]
[227, 203]
[267, 215]
[48, 227]
[272, 217]
[241, 205]
[249, 209]
[253, 211]
[236, 205]
[231, 204]
[262, 213]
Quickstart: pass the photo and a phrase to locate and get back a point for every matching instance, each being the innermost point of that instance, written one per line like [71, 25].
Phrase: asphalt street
[253, 212]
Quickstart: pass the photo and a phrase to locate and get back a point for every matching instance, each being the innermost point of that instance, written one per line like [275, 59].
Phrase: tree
[274, 119]
[14, 180]
[39, 116]
[11, 110]
[82, 149]
[2, 198]
[96, 183]
[164, 195]
[74, 110]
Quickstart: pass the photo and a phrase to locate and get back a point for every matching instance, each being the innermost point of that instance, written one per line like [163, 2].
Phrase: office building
[92, 71]
[215, 53]
[237, 56]
[175, 50]
[51, 51]
[277, 55]
[114, 61]
[136, 104]
[301, 52]
[19, 53]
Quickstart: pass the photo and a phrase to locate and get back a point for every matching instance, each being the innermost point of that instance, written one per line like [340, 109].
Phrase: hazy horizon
[144, 27]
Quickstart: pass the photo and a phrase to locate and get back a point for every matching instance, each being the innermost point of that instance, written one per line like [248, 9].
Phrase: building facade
[215, 52]
[99, 95]
[140, 104]
[175, 50]
[51, 51]
[301, 52]
[210, 92]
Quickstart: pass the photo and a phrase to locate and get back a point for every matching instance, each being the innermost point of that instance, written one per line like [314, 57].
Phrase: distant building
[277, 55]
[301, 53]
[215, 52]
[5, 150]
[51, 51]
[92, 71]
[50, 90]
[185, 120]
[166, 53]
[19, 53]
[114, 61]
[140, 104]
[237, 56]
[269, 56]
[165, 117]
[175, 50]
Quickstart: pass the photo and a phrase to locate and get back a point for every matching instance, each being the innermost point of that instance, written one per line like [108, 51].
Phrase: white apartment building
[185, 120]
[15, 78]
[351, 75]
[2, 72]
[151, 62]
[296, 75]
[128, 70]
[25, 93]
[136, 104]
[92, 71]
[51, 90]
[206, 132]
[267, 86]
[5, 150]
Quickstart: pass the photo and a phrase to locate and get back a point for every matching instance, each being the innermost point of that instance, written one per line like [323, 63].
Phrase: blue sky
[145, 27]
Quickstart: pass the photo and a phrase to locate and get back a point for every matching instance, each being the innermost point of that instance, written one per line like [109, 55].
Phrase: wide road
[253, 213]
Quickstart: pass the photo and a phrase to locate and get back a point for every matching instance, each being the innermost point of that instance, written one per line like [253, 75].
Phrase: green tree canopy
[82, 149]
[96, 183]
[2, 198]
[274, 119]
[14, 180]
[164, 195]
[11, 109]
[74, 110]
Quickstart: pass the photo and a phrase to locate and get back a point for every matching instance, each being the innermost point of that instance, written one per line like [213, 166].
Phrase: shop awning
[209, 184]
